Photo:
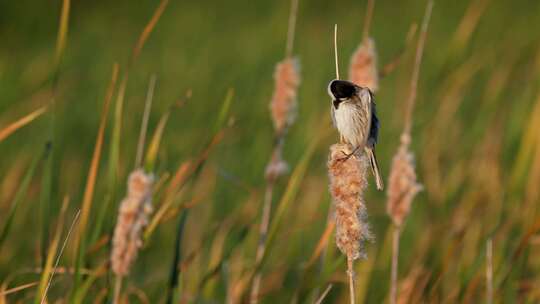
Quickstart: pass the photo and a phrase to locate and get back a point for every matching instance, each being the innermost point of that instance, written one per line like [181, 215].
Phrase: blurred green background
[475, 136]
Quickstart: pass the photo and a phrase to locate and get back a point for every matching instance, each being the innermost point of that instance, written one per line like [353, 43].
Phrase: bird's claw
[347, 156]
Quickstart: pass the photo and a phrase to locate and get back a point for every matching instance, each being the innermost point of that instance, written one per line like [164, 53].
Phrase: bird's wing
[374, 126]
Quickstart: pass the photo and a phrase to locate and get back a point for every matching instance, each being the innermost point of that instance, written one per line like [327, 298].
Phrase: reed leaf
[51, 253]
[21, 122]
[19, 196]
[154, 143]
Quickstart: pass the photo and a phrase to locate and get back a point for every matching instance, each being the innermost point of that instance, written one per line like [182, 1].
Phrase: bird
[355, 117]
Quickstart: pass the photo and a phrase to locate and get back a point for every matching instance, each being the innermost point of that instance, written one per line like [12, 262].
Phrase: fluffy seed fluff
[402, 183]
[132, 218]
[347, 184]
[283, 104]
[363, 67]
[277, 166]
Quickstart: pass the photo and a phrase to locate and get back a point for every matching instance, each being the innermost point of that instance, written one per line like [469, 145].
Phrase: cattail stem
[263, 232]
[291, 28]
[336, 51]
[283, 113]
[350, 272]
[489, 271]
[395, 256]
[367, 20]
[117, 288]
[416, 68]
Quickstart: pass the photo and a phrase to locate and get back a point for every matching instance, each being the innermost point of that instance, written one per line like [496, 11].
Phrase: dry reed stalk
[489, 271]
[283, 107]
[21, 122]
[402, 184]
[49, 270]
[6, 292]
[394, 271]
[323, 295]
[363, 66]
[132, 218]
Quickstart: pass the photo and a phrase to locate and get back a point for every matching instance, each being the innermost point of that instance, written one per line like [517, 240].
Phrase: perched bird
[355, 117]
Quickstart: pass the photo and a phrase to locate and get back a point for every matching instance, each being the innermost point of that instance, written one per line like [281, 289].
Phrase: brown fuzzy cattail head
[402, 183]
[347, 184]
[132, 218]
[363, 67]
[283, 104]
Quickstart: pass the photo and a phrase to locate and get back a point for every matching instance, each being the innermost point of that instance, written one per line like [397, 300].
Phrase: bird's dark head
[341, 90]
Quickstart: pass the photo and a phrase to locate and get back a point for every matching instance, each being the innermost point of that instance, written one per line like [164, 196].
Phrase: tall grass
[70, 121]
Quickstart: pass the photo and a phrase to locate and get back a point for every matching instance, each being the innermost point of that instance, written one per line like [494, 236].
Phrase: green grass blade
[92, 277]
[154, 144]
[51, 252]
[224, 111]
[103, 208]
[174, 271]
[45, 205]
[81, 237]
[23, 189]
[114, 150]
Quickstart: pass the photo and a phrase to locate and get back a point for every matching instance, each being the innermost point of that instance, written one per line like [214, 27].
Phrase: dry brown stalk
[54, 246]
[489, 271]
[21, 122]
[416, 69]
[323, 295]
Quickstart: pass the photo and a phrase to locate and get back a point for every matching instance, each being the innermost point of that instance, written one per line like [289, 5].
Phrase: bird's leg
[347, 156]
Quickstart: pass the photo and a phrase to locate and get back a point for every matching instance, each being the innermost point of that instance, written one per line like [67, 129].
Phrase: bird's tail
[375, 168]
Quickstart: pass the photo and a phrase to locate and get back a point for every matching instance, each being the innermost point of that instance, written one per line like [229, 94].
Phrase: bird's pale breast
[352, 123]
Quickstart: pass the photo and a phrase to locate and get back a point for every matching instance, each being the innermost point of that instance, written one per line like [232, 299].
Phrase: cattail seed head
[283, 104]
[347, 184]
[132, 218]
[363, 67]
[402, 183]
